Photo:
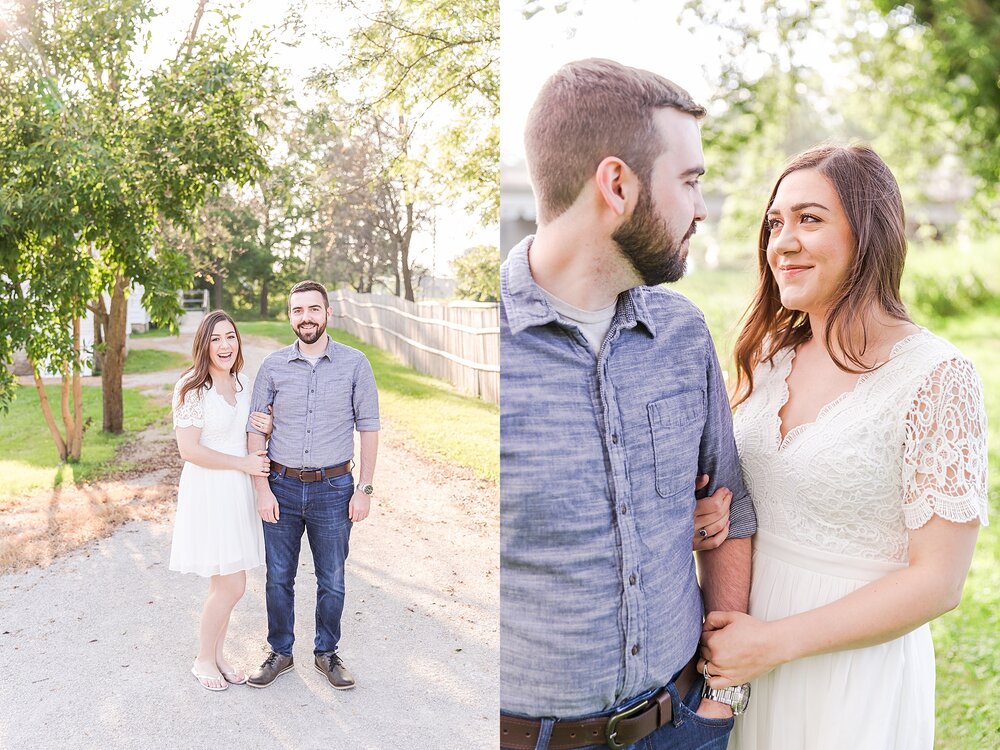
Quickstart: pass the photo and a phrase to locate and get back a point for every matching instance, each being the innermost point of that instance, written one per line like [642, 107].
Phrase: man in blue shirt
[612, 405]
[320, 391]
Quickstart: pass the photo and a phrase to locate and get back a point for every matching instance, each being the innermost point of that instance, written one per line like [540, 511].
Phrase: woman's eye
[809, 217]
[774, 224]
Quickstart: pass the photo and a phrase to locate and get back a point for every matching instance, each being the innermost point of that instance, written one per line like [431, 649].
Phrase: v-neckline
[782, 442]
[225, 400]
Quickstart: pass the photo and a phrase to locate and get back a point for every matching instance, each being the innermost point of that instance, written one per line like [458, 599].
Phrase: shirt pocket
[676, 424]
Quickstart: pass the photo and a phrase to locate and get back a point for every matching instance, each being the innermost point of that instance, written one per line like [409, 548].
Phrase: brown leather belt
[618, 730]
[312, 475]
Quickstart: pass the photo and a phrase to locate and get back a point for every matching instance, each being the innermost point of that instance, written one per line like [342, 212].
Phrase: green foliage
[439, 420]
[477, 271]
[437, 65]
[792, 75]
[30, 460]
[964, 77]
[936, 296]
[95, 156]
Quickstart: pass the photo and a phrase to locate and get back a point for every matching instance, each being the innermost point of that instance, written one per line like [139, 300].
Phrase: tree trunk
[216, 290]
[50, 420]
[404, 254]
[76, 438]
[100, 326]
[114, 360]
[265, 286]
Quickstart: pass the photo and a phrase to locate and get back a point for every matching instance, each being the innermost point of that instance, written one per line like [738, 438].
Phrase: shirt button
[635, 649]
[624, 509]
[631, 580]
[307, 450]
[614, 438]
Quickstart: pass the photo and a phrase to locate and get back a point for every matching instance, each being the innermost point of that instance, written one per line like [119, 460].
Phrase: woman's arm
[740, 648]
[255, 464]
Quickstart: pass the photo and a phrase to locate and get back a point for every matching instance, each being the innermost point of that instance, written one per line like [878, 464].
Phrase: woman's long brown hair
[198, 373]
[870, 197]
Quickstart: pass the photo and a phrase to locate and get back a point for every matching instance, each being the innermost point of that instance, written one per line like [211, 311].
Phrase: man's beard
[318, 331]
[646, 242]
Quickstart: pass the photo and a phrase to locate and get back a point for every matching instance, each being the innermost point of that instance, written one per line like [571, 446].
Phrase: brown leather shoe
[329, 664]
[274, 665]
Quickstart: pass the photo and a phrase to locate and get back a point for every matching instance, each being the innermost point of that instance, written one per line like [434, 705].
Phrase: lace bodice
[223, 426]
[908, 442]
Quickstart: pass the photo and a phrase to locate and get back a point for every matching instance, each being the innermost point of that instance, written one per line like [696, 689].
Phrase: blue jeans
[319, 509]
[686, 731]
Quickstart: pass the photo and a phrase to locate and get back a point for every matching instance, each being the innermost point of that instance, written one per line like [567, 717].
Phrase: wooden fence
[458, 341]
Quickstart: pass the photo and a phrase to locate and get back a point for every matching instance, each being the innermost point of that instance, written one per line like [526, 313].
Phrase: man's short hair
[309, 286]
[590, 110]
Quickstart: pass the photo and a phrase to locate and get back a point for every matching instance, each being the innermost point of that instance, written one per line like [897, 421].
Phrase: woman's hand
[738, 648]
[261, 421]
[257, 464]
[711, 517]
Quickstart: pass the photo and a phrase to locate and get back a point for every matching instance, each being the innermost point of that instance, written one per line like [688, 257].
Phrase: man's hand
[267, 505]
[714, 710]
[359, 507]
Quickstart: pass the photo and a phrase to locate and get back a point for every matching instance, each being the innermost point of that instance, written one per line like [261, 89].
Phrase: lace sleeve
[192, 411]
[944, 456]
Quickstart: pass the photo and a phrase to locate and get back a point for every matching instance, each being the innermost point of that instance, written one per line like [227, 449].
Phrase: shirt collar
[296, 354]
[526, 305]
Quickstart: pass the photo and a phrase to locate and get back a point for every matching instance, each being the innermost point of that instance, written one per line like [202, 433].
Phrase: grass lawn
[30, 459]
[967, 640]
[430, 412]
[154, 360]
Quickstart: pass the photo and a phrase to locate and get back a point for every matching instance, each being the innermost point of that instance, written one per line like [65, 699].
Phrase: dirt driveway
[95, 648]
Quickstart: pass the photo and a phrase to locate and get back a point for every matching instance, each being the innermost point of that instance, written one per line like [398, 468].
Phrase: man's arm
[724, 574]
[360, 502]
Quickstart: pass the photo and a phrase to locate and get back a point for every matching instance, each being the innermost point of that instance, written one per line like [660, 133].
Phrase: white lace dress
[834, 501]
[216, 530]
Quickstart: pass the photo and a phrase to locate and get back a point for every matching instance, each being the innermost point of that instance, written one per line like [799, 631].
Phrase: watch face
[742, 698]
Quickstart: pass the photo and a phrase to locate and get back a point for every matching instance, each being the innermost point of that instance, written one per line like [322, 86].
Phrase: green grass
[441, 421]
[30, 459]
[152, 333]
[967, 640]
[154, 360]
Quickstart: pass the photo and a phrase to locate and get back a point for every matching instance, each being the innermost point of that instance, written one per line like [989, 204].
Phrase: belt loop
[675, 703]
[545, 734]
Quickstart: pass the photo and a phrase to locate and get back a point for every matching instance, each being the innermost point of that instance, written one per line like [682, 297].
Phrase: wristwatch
[367, 489]
[737, 697]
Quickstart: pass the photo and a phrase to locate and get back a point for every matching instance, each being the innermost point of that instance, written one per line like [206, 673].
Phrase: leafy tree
[963, 42]
[436, 65]
[97, 157]
[477, 271]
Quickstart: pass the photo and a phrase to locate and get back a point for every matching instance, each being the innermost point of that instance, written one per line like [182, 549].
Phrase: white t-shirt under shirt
[593, 323]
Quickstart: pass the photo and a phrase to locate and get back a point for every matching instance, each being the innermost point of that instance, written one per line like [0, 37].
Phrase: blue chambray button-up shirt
[316, 407]
[599, 601]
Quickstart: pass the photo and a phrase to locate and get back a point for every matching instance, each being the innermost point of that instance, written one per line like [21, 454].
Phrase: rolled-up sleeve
[718, 457]
[365, 398]
[263, 394]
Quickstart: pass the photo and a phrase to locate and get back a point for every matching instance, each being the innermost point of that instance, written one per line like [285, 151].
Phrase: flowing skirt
[216, 530]
[876, 698]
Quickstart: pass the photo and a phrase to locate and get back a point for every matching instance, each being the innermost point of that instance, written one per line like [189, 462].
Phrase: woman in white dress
[863, 443]
[217, 533]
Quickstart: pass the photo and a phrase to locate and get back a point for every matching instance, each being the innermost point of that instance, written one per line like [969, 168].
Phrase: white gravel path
[95, 649]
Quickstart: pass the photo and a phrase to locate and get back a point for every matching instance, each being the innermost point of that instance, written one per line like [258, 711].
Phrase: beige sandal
[203, 677]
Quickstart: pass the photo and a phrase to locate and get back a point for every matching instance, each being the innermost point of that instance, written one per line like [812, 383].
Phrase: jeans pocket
[344, 481]
[689, 711]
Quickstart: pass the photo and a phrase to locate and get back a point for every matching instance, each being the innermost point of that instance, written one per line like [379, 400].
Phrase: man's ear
[617, 185]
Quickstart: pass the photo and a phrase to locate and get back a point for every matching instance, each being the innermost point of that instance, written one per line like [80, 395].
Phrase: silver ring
[703, 533]
[704, 671]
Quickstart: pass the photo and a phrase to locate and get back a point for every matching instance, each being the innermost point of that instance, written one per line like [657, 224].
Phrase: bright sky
[451, 232]
[640, 33]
